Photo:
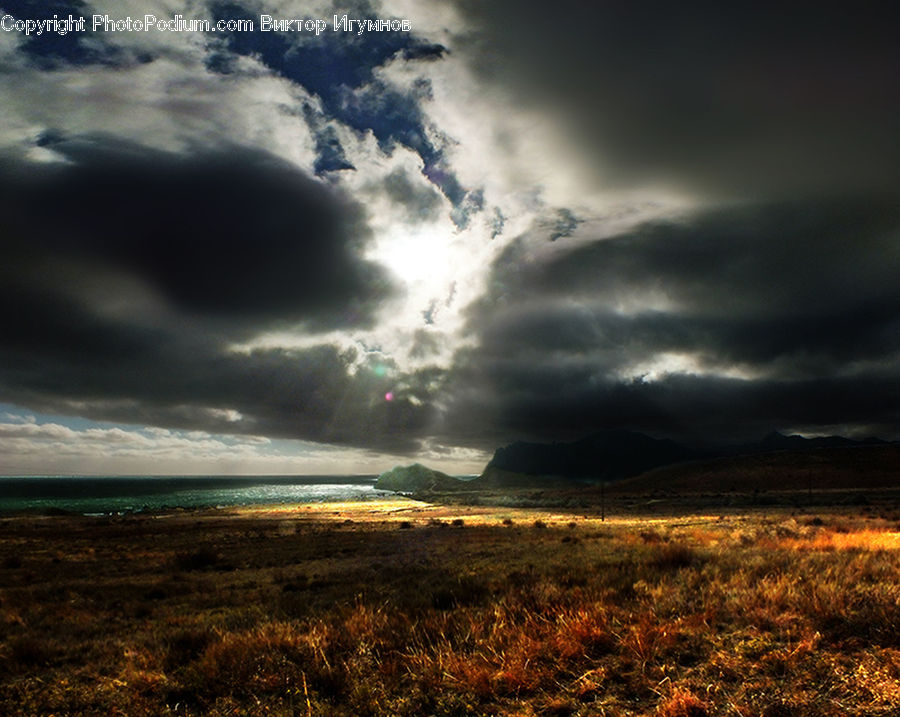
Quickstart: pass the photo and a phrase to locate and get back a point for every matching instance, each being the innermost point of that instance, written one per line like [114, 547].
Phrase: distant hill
[776, 441]
[417, 478]
[850, 466]
[617, 455]
[634, 462]
[604, 456]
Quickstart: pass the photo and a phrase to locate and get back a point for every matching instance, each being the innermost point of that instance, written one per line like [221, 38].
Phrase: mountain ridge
[616, 455]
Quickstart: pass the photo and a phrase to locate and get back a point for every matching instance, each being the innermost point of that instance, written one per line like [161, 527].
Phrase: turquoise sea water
[119, 494]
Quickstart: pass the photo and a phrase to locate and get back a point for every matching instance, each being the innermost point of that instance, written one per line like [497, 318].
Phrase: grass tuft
[682, 703]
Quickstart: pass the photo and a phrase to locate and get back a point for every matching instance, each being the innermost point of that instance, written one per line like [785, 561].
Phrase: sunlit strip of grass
[860, 540]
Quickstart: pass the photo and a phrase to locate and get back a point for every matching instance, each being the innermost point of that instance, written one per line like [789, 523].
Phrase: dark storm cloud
[790, 312]
[508, 399]
[234, 234]
[786, 308]
[790, 261]
[730, 97]
[177, 376]
[128, 273]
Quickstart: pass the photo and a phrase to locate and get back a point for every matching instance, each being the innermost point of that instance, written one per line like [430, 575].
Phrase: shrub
[28, 651]
[463, 592]
[186, 645]
[673, 556]
[196, 560]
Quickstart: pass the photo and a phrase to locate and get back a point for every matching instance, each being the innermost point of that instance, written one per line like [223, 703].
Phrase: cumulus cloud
[30, 447]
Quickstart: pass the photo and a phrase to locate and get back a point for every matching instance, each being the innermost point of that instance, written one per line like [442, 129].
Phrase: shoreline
[484, 507]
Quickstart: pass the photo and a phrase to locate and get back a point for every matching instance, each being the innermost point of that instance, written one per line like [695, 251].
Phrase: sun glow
[426, 255]
[439, 268]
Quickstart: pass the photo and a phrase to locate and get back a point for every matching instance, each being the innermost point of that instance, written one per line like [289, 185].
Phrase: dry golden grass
[403, 608]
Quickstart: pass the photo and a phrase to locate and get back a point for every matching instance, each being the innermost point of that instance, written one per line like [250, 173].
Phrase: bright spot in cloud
[420, 255]
[670, 363]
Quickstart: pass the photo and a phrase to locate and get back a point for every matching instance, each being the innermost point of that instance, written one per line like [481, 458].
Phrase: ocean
[123, 494]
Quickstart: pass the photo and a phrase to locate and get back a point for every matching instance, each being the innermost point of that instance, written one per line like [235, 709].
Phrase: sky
[280, 252]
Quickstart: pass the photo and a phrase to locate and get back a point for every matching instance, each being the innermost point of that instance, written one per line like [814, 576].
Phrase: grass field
[405, 608]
